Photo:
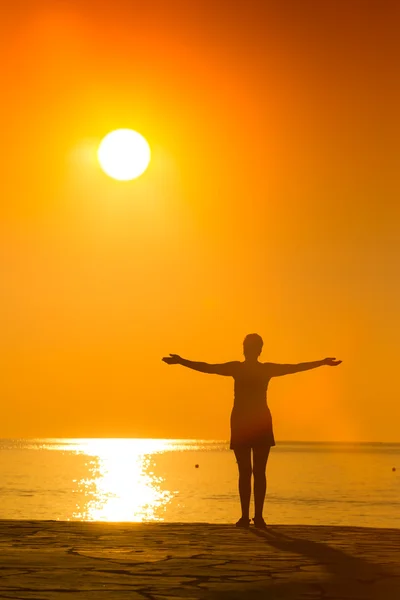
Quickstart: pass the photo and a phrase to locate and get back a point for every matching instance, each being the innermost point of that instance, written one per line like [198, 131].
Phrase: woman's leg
[260, 458]
[243, 459]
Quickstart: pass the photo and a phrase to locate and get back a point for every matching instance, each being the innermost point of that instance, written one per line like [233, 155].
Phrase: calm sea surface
[157, 480]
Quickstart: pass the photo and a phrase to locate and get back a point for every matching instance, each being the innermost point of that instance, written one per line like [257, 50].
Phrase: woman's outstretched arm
[277, 370]
[220, 369]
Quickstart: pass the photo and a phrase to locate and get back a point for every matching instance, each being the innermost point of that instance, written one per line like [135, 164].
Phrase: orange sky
[271, 205]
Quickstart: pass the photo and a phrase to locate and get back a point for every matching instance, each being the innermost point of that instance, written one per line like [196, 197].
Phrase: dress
[251, 420]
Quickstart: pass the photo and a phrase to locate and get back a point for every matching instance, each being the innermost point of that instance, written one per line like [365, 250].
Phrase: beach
[162, 561]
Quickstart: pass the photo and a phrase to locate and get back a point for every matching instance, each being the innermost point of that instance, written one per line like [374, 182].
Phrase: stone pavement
[159, 561]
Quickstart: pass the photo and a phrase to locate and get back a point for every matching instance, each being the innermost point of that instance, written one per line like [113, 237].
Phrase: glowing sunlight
[124, 154]
[120, 485]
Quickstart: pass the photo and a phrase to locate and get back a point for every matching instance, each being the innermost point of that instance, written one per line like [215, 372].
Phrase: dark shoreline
[160, 561]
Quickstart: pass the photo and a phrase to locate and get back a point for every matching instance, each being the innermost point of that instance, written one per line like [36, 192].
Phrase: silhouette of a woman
[251, 421]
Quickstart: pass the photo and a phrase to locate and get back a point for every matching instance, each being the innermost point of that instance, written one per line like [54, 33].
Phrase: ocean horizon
[189, 480]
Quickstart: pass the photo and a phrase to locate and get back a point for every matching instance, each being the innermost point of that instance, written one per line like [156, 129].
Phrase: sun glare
[120, 484]
[124, 154]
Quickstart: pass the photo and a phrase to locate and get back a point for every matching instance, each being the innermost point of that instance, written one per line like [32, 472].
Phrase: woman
[251, 422]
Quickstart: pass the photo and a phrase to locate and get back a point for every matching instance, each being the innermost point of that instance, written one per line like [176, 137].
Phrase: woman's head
[252, 345]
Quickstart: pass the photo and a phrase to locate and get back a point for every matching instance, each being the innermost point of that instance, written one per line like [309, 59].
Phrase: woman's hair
[253, 344]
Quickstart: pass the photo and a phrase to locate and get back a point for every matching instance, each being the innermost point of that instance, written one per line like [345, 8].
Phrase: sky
[271, 205]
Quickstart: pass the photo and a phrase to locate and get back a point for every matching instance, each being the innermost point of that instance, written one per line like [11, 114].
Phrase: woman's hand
[172, 359]
[331, 362]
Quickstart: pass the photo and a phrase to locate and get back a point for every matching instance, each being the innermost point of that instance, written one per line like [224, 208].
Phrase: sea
[141, 480]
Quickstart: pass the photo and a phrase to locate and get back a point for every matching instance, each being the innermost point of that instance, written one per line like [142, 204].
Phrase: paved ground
[43, 560]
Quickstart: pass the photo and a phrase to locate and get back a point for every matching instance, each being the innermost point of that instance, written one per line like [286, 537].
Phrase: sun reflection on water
[120, 484]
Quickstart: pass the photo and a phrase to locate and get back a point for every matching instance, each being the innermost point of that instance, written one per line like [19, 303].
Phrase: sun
[124, 154]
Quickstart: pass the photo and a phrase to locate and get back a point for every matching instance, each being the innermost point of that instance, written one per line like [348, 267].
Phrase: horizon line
[191, 439]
